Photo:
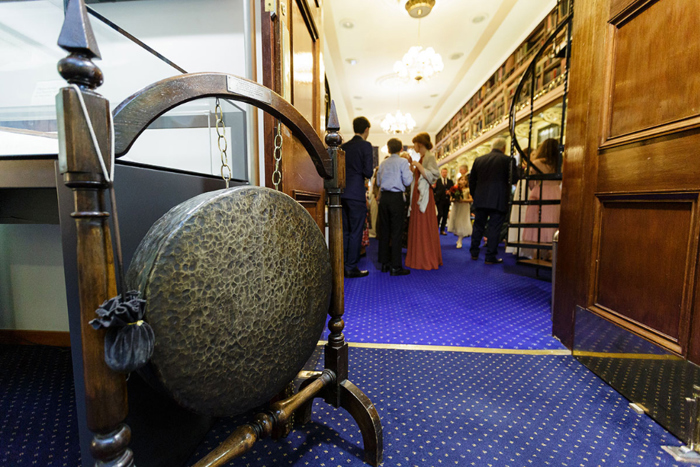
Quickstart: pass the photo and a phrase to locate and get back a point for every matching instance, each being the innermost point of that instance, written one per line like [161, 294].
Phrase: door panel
[629, 226]
[291, 45]
[643, 280]
[654, 50]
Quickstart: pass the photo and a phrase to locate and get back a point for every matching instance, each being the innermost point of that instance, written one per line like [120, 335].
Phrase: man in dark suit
[490, 186]
[442, 199]
[358, 167]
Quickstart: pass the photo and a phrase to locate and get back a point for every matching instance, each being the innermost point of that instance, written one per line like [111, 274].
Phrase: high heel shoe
[459, 244]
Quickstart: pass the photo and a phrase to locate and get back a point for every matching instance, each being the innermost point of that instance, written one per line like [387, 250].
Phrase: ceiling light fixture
[398, 123]
[351, 61]
[478, 18]
[419, 63]
[347, 24]
[419, 8]
[456, 56]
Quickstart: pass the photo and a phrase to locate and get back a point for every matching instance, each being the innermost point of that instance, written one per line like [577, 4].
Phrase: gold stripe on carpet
[630, 356]
[449, 348]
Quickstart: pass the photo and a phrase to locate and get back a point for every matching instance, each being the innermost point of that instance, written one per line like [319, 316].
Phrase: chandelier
[398, 123]
[419, 63]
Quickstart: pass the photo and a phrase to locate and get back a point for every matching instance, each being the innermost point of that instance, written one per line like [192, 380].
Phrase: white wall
[32, 283]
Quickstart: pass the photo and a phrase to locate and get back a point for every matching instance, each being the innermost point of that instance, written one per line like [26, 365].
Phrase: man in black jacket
[442, 199]
[490, 186]
[358, 167]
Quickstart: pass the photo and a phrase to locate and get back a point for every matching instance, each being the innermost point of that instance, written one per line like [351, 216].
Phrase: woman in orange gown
[423, 250]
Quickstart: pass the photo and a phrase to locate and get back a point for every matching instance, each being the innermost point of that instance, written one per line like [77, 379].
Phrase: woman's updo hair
[424, 139]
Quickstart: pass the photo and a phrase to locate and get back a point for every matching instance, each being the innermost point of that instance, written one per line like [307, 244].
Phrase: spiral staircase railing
[536, 253]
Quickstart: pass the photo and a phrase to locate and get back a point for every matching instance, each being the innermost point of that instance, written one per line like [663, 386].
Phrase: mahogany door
[629, 226]
[291, 66]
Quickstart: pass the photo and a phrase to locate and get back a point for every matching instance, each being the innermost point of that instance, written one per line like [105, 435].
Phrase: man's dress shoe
[355, 273]
[400, 272]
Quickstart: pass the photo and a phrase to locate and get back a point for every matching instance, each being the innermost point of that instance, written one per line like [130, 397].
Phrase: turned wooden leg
[111, 448]
[343, 393]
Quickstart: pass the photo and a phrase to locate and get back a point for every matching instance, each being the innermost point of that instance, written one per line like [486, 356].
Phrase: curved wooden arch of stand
[106, 402]
[138, 111]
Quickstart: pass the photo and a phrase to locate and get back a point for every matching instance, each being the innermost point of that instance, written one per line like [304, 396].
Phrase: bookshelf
[485, 114]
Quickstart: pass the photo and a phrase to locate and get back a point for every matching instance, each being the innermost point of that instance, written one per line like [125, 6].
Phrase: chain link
[222, 143]
[277, 155]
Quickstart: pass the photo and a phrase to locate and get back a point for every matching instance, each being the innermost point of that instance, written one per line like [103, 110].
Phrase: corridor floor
[488, 385]
[462, 368]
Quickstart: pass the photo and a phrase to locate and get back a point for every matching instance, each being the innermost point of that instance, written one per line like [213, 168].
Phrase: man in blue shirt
[358, 167]
[393, 176]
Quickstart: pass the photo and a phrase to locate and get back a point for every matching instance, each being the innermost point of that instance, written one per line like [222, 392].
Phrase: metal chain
[277, 155]
[221, 134]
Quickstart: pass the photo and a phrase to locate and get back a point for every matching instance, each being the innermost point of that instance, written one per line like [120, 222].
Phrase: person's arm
[367, 161]
[467, 197]
[406, 174]
[514, 170]
[473, 179]
[429, 170]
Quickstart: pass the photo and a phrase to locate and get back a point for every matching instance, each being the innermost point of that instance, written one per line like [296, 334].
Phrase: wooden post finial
[333, 138]
[77, 38]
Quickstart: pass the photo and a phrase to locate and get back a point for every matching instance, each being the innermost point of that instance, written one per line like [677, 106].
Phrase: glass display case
[136, 51]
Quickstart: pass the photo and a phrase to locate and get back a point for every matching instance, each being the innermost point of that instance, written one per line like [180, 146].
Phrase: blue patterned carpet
[38, 423]
[464, 303]
[438, 408]
[454, 408]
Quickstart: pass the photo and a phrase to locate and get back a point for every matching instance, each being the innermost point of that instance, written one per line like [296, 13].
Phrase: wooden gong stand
[106, 391]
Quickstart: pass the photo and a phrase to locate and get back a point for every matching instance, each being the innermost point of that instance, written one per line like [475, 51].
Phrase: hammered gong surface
[237, 284]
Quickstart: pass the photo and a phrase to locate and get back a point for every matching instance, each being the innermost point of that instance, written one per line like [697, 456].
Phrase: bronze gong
[237, 284]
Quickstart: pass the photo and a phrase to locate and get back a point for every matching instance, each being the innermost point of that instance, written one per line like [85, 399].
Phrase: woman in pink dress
[545, 160]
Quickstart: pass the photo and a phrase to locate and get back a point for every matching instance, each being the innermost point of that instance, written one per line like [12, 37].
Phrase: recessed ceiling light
[478, 18]
[351, 61]
[357, 97]
[456, 56]
[434, 95]
[347, 24]
[358, 108]
[427, 106]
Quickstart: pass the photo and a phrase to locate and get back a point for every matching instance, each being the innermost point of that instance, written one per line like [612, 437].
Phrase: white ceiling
[382, 33]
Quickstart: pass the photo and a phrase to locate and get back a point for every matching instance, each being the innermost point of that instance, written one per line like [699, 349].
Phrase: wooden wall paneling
[304, 61]
[646, 281]
[651, 56]
[660, 164]
[580, 173]
[629, 224]
[693, 344]
[298, 173]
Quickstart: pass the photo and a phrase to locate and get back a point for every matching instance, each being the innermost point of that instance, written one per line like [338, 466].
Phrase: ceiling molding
[493, 26]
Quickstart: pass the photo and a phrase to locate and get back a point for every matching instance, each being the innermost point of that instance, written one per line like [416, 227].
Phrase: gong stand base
[265, 424]
[343, 393]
